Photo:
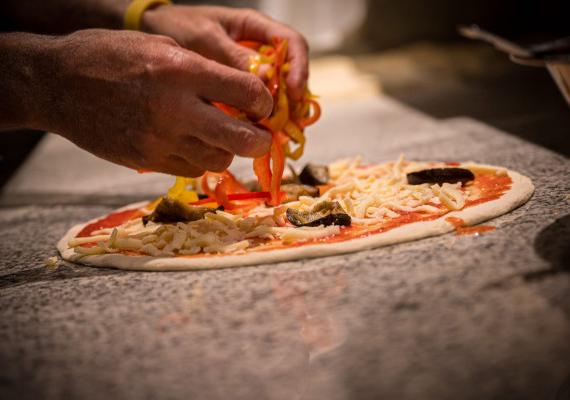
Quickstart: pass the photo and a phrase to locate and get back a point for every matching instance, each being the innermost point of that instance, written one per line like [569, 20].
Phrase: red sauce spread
[491, 187]
[110, 221]
[468, 230]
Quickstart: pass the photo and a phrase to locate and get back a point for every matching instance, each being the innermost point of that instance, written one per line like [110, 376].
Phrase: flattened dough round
[521, 190]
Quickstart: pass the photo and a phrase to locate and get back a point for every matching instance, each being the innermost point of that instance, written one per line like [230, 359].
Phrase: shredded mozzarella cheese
[370, 194]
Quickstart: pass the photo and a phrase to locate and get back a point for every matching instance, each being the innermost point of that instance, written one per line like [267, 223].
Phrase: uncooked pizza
[343, 207]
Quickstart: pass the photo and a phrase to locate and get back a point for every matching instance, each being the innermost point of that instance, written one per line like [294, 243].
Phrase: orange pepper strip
[278, 164]
[316, 114]
[262, 169]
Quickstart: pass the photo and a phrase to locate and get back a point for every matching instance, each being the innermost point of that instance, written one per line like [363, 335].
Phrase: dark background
[455, 76]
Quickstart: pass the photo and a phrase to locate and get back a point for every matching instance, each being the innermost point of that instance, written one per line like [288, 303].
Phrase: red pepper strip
[205, 186]
[280, 54]
[235, 196]
[227, 184]
[251, 44]
[203, 201]
[221, 192]
[229, 110]
[249, 196]
[262, 169]
[278, 164]
[316, 114]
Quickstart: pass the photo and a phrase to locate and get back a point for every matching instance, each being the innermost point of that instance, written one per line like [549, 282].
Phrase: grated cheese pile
[218, 232]
[369, 194]
[373, 194]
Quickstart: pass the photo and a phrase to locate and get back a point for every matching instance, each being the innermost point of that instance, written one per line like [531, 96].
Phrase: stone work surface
[448, 317]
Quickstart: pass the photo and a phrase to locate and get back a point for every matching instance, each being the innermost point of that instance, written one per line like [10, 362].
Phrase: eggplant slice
[325, 213]
[440, 176]
[170, 211]
[314, 175]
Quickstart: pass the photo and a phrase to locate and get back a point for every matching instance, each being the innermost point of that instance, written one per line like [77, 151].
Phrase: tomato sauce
[458, 223]
[491, 187]
[110, 221]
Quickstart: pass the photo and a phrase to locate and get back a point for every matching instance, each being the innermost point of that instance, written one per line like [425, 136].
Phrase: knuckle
[249, 143]
[250, 13]
[164, 61]
[209, 28]
[257, 96]
[166, 40]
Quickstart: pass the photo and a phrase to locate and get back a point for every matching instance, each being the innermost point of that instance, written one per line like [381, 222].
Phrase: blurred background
[411, 50]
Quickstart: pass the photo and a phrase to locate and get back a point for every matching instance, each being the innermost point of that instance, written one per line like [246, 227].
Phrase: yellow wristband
[135, 10]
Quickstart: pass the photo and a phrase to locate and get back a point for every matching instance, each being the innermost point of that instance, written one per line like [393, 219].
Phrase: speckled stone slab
[442, 318]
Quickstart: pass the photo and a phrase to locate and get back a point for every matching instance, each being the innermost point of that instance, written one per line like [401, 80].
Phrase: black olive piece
[314, 175]
[440, 176]
[325, 213]
[170, 211]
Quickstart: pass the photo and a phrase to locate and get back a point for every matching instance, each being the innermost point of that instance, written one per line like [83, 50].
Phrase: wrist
[151, 17]
[137, 13]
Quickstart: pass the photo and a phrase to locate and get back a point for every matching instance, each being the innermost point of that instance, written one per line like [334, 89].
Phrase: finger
[205, 156]
[251, 25]
[235, 88]
[176, 165]
[231, 53]
[217, 129]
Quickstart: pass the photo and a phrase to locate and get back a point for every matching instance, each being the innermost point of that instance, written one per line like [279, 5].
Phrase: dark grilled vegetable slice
[314, 175]
[440, 176]
[294, 190]
[170, 211]
[325, 213]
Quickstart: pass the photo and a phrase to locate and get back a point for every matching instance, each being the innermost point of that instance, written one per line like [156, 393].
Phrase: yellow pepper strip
[298, 137]
[281, 116]
[179, 192]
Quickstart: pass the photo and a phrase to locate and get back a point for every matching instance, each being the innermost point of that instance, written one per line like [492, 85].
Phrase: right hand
[142, 101]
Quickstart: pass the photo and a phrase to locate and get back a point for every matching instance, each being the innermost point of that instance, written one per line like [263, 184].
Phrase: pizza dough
[520, 191]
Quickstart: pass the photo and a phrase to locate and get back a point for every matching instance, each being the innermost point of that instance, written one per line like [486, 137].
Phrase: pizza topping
[287, 121]
[376, 194]
[368, 198]
[314, 175]
[325, 213]
[294, 190]
[440, 176]
[461, 229]
[170, 211]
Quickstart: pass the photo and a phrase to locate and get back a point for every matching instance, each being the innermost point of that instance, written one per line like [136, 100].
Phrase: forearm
[25, 65]
[61, 16]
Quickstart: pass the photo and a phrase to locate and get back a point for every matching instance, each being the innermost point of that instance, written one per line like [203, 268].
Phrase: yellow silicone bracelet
[135, 10]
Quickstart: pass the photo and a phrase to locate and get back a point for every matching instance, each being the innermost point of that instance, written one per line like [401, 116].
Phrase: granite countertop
[442, 318]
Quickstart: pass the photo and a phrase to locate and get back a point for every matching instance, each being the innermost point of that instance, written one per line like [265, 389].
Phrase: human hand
[142, 101]
[213, 32]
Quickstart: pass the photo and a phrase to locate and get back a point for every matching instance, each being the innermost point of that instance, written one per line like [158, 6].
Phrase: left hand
[214, 31]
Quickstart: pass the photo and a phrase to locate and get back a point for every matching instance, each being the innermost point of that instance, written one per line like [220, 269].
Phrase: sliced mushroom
[294, 190]
[314, 175]
[325, 213]
[440, 176]
[169, 211]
